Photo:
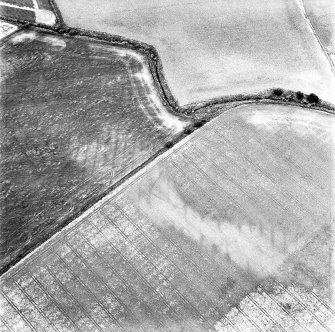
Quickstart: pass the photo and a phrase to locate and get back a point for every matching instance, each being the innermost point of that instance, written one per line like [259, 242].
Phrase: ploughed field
[211, 48]
[229, 230]
[76, 117]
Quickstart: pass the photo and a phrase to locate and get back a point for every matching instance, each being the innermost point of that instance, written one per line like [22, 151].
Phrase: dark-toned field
[44, 4]
[39, 11]
[20, 3]
[229, 231]
[7, 12]
[76, 116]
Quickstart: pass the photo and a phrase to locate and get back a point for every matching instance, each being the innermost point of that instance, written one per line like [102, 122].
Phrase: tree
[187, 131]
[199, 123]
[313, 98]
[299, 95]
[278, 92]
[169, 144]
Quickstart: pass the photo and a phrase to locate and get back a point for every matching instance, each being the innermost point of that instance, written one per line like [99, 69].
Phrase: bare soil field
[76, 117]
[229, 230]
[211, 48]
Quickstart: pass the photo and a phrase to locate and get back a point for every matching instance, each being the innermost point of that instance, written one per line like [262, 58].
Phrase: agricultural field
[39, 11]
[211, 48]
[322, 16]
[230, 230]
[76, 117]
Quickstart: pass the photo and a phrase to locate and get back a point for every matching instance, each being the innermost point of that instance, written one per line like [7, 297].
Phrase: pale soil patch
[6, 29]
[303, 123]
[255, 246]
[54, 41]
[215, 48]
[45, 16]
[23, 37]
[196, 233]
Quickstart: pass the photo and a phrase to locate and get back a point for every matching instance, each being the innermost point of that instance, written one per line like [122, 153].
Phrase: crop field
[211, 48]
[76, 117]
[39, 11]
[239, 212]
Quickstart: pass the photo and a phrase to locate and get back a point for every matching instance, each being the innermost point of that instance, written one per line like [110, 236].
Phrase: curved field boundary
[205, 109]
[156, 68]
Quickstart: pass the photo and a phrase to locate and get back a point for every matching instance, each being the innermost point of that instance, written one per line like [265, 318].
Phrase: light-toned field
[238, 212]
[322, 16]
[211, 48]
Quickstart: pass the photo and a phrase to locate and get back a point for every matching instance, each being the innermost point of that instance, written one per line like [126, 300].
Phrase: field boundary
[93, 202]
[156, 68]
[207, 109]
[115, 189]
[213, 110]
[135, 172]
